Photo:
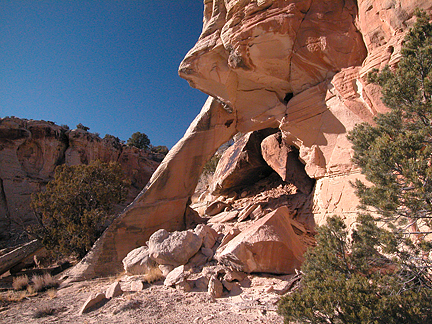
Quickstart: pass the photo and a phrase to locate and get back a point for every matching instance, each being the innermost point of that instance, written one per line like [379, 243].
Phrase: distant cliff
[30, 150]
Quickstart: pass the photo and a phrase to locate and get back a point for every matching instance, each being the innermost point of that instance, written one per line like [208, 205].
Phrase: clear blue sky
[110, 65]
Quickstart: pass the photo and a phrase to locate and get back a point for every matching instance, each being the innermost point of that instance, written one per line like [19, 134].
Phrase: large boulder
[284, 159]
[174, 248]
[268, 245]
[241, 164]
[138, 261]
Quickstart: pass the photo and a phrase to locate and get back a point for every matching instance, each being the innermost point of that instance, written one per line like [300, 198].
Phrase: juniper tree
[395, 154]
[348, 279]
[74, 207]
[139, 140]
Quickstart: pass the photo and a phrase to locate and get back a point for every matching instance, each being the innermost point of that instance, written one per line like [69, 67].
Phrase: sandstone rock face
[240, 163]
[294, 65]
[269, 245]
[284, 160]
[30, 150]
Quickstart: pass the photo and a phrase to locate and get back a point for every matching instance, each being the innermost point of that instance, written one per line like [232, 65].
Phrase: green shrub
[139, 140]
[348, 280]
[74, 208]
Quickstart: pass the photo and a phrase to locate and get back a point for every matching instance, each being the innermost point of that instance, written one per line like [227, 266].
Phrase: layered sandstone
[299, 66]
[30, 150]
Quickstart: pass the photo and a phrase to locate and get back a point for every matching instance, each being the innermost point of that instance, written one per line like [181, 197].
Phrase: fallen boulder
[174, 248]
[241, 164]
[138, 261]
[93, 302]
[268, 245]
[113, 290]
[284, 159]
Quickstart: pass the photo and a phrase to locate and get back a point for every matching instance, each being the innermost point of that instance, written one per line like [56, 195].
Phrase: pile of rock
[216, 258]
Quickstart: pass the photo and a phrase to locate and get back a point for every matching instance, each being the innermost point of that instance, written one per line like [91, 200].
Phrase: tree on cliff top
[139, 140]
[349, 279]
[75, 206]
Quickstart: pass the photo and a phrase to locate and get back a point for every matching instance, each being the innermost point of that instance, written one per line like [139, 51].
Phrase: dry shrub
[20, 282]
[13, 296]
[52, 293]
[41, 283]
[153, 274]
[44, 311]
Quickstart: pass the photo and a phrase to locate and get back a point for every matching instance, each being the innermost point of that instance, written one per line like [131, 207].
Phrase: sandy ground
[154, 304]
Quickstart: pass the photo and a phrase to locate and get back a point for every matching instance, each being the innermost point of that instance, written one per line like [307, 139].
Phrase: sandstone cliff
[298, 66]
[29, 152]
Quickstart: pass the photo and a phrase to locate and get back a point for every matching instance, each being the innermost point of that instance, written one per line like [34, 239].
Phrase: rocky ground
[155, 303]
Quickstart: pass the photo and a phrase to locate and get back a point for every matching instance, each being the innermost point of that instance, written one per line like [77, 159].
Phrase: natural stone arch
[250, 55]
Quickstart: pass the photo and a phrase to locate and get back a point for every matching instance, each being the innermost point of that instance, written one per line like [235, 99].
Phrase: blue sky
[110, 65]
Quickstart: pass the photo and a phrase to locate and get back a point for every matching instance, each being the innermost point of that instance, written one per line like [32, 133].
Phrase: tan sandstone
[296, 65]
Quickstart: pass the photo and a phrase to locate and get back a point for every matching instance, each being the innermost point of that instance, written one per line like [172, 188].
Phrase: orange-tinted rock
[269, 245]
[284, 160]
[30, 150]
[296, 65]
[241, 164]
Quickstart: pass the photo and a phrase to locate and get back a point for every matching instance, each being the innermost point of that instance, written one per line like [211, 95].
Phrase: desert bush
[84, 128]
[161, 149]
[20, 282]
[42, 283]
[349, 279]
[210, 166]
[52, 293]
[74, 208]
[153, 274]
[44, 311]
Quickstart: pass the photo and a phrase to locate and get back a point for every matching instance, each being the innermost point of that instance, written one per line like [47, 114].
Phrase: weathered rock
[241, 164]
[93, 302]
[174, 248]
[246, 212]
[232, 275]
[200, 282]
[229, 236]
[192, 218]
[198, 260]
[166, 269]
[296, 65]
[207, 234]
[176, 276]
[284, 160]
[136, 285]
[216, 207]
[163, 202]
[201, 258]
[113, 290]
[215, 287]
[138, 261]
[207, 252]
[268, 245]
[224, 217]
